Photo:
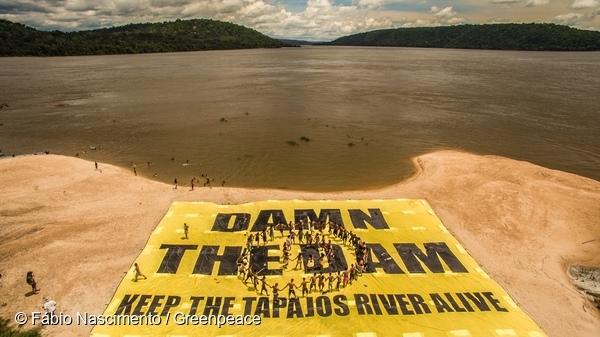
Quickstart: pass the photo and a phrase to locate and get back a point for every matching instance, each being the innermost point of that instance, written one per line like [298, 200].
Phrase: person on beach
[256, 279]
[310, 264]
[186, 230]
[286, 259]
[264, 285]
[134, 171]
[313, 283]
[291, 289]
[31, 281]
[249, 274]
[138, 272]
[192, 182]
[49, 306]
[241, 265]
[299, 261]
[338, 280]
[330, 282]
[175, 182]
[96, 164]
[346, 274]
[321, 281]
[275, 291]
[304, 286]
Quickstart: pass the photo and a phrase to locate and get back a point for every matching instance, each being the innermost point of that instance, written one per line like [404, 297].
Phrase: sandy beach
[79, 229]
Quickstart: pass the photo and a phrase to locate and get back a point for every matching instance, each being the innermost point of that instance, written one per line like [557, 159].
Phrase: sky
[313, 20]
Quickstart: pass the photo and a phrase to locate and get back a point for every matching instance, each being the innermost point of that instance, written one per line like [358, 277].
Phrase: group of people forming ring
[313, 235]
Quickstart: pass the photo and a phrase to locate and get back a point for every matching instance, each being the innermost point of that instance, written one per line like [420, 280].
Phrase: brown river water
[365, 111]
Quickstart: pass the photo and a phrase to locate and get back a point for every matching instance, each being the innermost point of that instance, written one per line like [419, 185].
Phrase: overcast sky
[300, 19]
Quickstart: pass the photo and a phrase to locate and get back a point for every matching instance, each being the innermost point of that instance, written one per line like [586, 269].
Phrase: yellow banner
[360, 268]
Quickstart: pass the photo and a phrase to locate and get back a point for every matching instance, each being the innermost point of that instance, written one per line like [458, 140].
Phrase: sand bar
[80, 229]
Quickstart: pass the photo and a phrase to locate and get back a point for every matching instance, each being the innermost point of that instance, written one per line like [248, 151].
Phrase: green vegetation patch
[6, 330]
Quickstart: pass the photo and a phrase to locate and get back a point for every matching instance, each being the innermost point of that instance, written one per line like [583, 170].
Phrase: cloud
[320, 19]
[456, 21]
[504, 2]
[570, 19]
[500, 20]
[446, 15]
[18, 7]
[80, 6]
[533, 3]
[371, 3]
[308, 19]
[420, 23]
[442, 13]
[580, 4]
[328, 20]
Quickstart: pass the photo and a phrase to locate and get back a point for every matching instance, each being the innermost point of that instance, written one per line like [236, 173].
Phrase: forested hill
[493, 36]
[181, 35]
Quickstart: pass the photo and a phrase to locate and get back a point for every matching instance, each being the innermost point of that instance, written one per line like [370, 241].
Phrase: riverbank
[79, 229]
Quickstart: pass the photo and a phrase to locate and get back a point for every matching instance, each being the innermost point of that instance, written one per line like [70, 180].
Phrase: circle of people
[313, 234]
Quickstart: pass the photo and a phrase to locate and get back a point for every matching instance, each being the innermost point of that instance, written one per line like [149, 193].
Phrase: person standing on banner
[272, 232]
[292, 289]
[138, 272]
[256, 279]
[299, 261]
[313, 283]
[275, 292]
[304, 286]
[264, 285]
[321, 281]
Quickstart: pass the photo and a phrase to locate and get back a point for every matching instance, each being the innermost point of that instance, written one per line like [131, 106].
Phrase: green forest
[531, 36]
[181, 35]
[202, 34]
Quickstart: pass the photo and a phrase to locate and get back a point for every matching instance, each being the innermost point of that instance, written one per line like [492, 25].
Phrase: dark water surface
[390, 103]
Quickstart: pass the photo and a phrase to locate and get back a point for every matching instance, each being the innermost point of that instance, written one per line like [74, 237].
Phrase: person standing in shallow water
[175, 182]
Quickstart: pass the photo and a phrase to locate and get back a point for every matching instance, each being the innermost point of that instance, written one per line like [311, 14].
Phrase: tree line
[531, 36]
[181, 35]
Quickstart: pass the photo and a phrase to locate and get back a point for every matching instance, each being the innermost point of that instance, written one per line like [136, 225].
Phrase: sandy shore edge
[79, 229]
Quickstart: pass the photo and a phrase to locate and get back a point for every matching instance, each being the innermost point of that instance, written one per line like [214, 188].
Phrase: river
[233, 115]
